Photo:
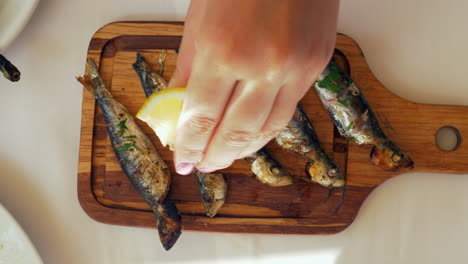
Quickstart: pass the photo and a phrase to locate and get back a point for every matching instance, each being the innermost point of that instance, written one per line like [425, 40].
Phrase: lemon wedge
[161, 112]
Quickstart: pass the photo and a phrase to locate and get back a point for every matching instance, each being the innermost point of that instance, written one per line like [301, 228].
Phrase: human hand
[246, 64]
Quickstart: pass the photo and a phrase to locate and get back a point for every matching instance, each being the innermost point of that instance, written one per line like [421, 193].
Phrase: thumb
[187, 47]
[184, 63]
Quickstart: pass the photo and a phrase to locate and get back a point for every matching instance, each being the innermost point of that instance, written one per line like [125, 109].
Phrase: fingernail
[206, 170]
[184, 168]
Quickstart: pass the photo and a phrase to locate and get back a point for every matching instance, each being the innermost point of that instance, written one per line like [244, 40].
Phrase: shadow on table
[31, 210]
[417, 218]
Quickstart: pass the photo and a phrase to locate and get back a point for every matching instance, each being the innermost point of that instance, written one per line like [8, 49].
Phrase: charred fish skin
[150, 81]
[168, 222]
[9, 70]
[269, 171]
[213, 189]
[299, 137]
[355, 119]
[137, 157]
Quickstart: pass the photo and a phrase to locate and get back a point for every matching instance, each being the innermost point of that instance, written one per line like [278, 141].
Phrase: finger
[206, 98]
[247, 111]
[281, 113]
[187, 46]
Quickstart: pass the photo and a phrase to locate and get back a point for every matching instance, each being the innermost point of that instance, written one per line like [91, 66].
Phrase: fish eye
[396, 157]
[332, 172]
[275, 170]
[208, 197]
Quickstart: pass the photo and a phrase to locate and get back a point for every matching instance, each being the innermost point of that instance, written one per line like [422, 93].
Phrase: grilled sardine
[299, 137]
[213, 187]
[354, 118]
[137, 157]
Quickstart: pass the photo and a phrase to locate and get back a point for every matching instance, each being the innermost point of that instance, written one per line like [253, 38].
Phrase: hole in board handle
[448, 138]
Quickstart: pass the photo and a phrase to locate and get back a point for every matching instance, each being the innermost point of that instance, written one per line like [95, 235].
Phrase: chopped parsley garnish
[351, 124]
[130, 137]
[352, 139]
[123, 89]
[332, 88]
[126, 146]
[127, 112]
[122, 127]
[345, 102]
[330, 81]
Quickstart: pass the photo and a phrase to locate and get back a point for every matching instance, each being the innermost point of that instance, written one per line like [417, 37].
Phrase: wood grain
[251, 207]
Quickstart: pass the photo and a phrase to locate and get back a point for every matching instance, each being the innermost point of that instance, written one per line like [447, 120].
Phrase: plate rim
[20, 22]
[10, 219]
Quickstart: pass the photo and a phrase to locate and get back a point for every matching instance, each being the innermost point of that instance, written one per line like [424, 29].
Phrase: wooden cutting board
[251, 207]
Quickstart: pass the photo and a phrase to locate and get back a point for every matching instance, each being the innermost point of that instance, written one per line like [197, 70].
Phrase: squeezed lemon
[161, 112]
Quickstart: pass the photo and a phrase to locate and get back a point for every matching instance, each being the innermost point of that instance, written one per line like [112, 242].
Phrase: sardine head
[325, 174]
[389, 157]
[270, 172]
[213, 189]
[211, 203]
[278, 176]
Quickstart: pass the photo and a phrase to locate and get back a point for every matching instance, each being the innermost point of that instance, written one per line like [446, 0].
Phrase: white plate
[15, 246]
[14, 14]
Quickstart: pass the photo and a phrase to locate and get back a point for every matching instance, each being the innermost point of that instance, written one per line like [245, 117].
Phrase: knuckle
[238, 138]
[192, 154]
[279, 56]
[301, 90]
[201, 124]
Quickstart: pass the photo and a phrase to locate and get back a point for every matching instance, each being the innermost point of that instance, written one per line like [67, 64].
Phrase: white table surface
[416, 48]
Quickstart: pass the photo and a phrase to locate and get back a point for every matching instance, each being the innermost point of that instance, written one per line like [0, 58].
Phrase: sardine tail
[141, 68]
[137, 65]
[87, 83]
[92, 81]
[168, 222]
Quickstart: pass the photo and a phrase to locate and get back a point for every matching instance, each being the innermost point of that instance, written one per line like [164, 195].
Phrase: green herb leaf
[137, 148]
[349, 82]
[127, 112]
[333, 88]
[126, 146]
[345, 102]
[330, 81]
[130, 137]
[350, 125]
[352, 139]
[123, 89]
[122, 127]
